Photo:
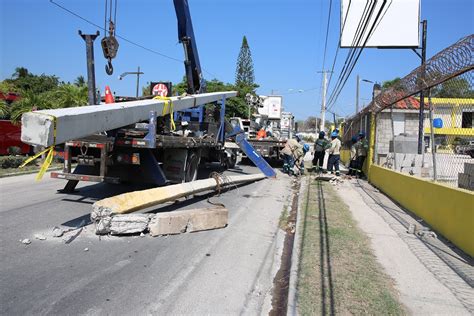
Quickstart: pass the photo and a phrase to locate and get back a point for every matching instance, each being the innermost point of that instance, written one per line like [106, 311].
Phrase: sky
[286, 38]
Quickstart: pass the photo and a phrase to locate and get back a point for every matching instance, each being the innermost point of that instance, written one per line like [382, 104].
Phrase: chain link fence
[447, 155]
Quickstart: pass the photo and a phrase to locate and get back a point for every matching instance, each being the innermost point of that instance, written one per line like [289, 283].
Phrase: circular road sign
[160, 89]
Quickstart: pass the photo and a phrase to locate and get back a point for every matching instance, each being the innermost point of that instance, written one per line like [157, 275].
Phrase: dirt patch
[282, 279]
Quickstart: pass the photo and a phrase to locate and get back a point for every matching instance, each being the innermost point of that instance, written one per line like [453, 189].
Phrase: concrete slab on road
[225, 271]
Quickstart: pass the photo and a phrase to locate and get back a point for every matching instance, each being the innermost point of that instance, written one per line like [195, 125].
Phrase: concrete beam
[194, 220]
[138, 200]
[72, 123]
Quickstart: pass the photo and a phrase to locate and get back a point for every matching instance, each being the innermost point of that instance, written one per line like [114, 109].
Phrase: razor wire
[449, 63]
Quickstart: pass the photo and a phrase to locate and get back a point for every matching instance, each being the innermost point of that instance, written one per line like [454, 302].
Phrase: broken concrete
[188, 221]
[128, 224]
[72, 123]
[138, 200]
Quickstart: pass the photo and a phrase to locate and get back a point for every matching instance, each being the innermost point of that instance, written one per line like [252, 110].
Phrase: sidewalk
[427, 285]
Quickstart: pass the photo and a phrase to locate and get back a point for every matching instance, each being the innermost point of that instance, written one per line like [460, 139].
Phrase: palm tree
[68, 95]
[4, 109]
[80, 81]
[20, 72]
[28, 102]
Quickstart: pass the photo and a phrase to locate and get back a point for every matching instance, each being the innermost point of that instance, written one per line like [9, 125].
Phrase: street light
[357, 90]
[138, 73]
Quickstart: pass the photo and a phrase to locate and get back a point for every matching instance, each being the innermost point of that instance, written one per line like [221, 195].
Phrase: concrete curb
[21, 173]
[295, 256]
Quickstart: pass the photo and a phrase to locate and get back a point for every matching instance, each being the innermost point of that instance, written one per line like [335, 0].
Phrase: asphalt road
[226, 271]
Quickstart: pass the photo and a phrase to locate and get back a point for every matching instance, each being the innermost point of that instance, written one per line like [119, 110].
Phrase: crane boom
[194, 78]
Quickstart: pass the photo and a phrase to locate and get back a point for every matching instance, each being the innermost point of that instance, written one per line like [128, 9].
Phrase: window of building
[467, 120]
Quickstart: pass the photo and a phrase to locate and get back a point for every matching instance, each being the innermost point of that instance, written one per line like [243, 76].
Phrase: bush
[11, 161]
[14, 150]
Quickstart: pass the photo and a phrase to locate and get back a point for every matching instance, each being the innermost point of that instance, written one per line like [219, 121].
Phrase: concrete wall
[448, 210]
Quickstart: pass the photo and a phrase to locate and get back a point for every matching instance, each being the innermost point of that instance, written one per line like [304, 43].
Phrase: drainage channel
[281, 282]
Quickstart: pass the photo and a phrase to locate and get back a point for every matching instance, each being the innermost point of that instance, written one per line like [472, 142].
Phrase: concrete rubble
[111, 216]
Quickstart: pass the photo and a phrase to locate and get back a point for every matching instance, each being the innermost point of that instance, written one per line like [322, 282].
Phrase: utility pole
[421, 115]
[89, 39]
[357, 94]
[138, 80]
[323, 103]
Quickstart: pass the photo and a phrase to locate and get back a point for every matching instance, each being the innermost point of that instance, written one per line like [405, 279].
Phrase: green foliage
[453, 88]
[236, 106]
[68, 95]
[391, 83]
[11, 161]
[80, 81]
[244, 73]
[39, 93]
[23, 80]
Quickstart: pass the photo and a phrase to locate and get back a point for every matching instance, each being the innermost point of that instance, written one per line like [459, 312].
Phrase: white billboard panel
[398, 24]
[271, 106]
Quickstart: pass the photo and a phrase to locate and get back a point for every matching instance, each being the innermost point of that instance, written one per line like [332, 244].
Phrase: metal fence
[447, 154]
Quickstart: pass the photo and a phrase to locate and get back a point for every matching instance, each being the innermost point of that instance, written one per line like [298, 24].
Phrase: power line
[358, 51]
[327, 33]
[121, 37]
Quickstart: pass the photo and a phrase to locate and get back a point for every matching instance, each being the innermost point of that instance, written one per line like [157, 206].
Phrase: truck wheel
[192, 164]
[231, 160]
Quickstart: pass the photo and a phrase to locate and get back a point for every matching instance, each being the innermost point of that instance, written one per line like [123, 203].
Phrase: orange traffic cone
[109, 98]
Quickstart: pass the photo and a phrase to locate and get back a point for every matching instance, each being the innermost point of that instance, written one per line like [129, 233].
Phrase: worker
[334, 153]
[261, 134]
[292, 152]
[353, 161]
[301, 159]
[320, 147]
[362, 147]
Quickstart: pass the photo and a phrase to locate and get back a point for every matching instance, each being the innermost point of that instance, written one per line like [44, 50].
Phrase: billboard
[398, 24]
[271, 106]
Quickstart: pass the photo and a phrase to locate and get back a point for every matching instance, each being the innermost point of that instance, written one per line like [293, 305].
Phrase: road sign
[160, 89]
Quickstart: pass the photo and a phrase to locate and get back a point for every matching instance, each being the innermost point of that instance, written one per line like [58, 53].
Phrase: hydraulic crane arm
[194, 78]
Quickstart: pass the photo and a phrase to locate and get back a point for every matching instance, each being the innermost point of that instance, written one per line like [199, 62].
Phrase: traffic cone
[109, 98]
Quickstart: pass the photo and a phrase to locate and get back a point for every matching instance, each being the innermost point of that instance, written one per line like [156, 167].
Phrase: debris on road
[105, 213]
[188, 221]
[40, 237]
[57, 232]
[86, 249]
[25, 241]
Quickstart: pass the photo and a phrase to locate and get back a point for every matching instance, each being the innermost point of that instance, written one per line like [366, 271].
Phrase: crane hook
[109, 69]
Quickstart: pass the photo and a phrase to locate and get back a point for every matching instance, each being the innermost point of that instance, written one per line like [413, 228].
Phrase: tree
[453, 88]
[244, 73]
[20, 72]
[80, 81]
[29, 101]
[391, 83]
[23, 80]
[68, 95]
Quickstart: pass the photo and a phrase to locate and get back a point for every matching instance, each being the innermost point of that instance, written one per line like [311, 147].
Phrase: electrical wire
[336, 92]
[121, 37]
[376, 23]
[327, 34]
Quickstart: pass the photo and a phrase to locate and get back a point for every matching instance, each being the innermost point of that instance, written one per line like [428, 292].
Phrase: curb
[292, 303]
[27, 172]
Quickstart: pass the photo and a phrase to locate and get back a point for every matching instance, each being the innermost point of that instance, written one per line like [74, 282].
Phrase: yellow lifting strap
[49, 150]
[167, 108]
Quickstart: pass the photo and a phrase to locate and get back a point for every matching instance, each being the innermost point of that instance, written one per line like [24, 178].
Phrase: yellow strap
[168, 107]
[49, 158]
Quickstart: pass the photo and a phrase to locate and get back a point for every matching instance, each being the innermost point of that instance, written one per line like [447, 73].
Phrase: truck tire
[192, 165]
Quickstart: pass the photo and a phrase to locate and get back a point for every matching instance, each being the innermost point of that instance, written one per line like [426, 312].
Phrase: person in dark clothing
[353, 162]
[320, 147]
[362, 148]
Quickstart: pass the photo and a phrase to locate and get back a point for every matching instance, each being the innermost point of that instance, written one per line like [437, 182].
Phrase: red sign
[160, 89]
